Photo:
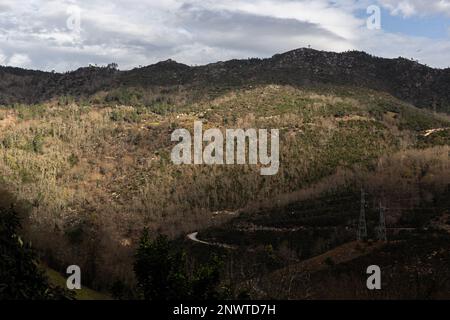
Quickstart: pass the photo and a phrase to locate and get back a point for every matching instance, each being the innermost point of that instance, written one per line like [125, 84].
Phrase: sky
[67, 34]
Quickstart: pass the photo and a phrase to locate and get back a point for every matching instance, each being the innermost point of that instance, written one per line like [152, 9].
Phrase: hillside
[95, 174]
[407, 80]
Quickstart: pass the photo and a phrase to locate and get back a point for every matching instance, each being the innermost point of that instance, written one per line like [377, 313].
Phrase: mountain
[407, 80]
[88, 152]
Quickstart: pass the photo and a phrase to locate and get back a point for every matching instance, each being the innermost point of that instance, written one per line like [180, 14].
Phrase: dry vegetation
[95, 175]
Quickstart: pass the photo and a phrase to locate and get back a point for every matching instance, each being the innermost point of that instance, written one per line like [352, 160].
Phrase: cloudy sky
[66, 34]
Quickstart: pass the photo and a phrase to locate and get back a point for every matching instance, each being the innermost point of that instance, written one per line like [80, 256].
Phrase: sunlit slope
[104, 170]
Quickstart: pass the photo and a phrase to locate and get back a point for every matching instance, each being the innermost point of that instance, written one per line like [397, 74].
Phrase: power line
[382, 226]
[362, 225]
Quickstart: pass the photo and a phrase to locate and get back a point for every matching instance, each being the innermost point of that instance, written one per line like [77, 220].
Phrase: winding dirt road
[193, 237]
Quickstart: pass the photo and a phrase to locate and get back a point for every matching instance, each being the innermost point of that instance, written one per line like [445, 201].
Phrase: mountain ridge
[407, 80]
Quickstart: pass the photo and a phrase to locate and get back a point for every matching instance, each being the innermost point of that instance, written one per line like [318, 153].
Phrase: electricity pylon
[382, 227]
[362, 225]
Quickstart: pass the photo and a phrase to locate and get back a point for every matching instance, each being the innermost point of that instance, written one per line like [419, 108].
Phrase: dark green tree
[160, 270]
[20, 277]
[206, 281]
[161, 273]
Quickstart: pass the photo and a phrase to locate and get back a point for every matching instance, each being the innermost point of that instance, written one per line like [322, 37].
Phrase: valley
[94, 169]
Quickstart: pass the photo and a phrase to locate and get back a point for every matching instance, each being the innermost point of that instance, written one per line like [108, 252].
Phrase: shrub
[38, 143]
[73, 160]
[329, 261]
[131, 116]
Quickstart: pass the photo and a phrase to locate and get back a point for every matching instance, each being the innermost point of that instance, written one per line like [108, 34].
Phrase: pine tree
[160, 270]
[161, 273]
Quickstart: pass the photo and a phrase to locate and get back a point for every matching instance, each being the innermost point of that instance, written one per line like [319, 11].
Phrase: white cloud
[332, 18]
[417, 7]
[19, 60]
[427, 51]
[34, 33]
[2, 59]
